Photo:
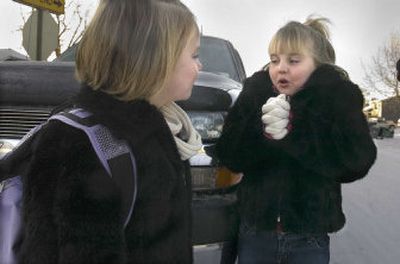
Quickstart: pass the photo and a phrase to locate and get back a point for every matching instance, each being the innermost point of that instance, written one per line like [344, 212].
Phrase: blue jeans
[283, 248]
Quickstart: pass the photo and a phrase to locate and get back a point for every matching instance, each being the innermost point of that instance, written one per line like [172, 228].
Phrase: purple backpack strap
[112, 148]
[114, 154]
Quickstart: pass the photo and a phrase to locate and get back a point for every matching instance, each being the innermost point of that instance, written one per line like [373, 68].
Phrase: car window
[216, 57]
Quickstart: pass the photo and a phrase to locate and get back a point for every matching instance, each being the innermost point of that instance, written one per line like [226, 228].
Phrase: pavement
[372, 207]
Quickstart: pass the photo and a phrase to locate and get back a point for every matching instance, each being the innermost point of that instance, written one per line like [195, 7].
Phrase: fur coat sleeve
[329, 134]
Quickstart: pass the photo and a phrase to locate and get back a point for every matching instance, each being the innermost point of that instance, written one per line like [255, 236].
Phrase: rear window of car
[216, 57]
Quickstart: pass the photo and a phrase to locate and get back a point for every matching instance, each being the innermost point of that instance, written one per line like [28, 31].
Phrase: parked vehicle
[29, 90]
[378, 126]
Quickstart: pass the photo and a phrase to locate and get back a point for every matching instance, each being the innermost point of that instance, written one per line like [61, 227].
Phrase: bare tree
[71, 25]
[70, 34]
[380, 75]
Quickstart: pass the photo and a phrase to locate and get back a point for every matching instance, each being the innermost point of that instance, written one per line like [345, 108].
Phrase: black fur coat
[299, 177]
[72, 207]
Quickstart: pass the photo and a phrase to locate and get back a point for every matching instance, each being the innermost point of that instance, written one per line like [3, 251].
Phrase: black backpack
[114, 154]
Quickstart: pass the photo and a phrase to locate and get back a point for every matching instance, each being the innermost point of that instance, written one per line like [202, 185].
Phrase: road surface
[372, 207]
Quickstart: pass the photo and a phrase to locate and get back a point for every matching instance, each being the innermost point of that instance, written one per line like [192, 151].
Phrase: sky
[359, 27]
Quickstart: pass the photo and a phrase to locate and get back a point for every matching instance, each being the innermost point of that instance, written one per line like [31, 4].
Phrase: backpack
[114, 154]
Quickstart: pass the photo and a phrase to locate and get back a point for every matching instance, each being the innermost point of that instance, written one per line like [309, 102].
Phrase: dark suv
[29, 90]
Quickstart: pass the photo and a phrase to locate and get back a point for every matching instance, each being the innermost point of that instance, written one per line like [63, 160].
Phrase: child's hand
[276, 116]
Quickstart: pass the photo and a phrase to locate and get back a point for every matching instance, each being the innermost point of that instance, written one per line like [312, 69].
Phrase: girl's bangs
[288, 45]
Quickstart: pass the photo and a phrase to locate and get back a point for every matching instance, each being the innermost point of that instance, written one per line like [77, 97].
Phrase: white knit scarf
[187, 139]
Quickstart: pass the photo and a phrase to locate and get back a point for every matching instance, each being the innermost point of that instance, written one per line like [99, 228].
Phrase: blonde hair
[131, 47]
[311, 36]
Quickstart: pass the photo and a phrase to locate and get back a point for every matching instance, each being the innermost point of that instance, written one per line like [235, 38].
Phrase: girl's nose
[282, 67]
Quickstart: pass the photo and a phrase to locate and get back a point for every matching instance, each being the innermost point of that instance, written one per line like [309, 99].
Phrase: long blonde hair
[312, 36]
[131, 47]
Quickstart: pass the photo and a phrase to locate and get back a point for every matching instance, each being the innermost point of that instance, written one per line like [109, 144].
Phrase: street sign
[53, 6]
[40, 39]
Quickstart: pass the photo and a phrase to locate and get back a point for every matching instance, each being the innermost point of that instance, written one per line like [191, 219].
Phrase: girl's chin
[286, 91]
[184, 97]
[283, 91]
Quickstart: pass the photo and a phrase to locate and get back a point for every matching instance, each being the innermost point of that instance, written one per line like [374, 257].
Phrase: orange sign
[53, 6]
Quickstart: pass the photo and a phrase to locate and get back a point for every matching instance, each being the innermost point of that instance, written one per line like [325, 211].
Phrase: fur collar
[137, 120]
[324, 79]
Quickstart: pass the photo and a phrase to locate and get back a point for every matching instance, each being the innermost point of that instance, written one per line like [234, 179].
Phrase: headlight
[208, 124]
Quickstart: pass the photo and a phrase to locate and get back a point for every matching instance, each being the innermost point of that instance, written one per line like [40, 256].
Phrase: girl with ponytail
[297, 133]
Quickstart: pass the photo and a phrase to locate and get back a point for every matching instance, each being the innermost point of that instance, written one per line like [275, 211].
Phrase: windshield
[216, 57]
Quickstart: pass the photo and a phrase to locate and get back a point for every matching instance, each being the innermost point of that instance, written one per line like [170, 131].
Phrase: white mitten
[276, 116]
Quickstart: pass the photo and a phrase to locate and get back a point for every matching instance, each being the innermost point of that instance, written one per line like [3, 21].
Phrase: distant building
[11, 55]
[391, 108]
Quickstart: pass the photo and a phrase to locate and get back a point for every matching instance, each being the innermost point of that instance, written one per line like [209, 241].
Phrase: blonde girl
[297, 132]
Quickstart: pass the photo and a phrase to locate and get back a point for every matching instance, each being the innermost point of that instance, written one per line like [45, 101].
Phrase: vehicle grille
[15, 122]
